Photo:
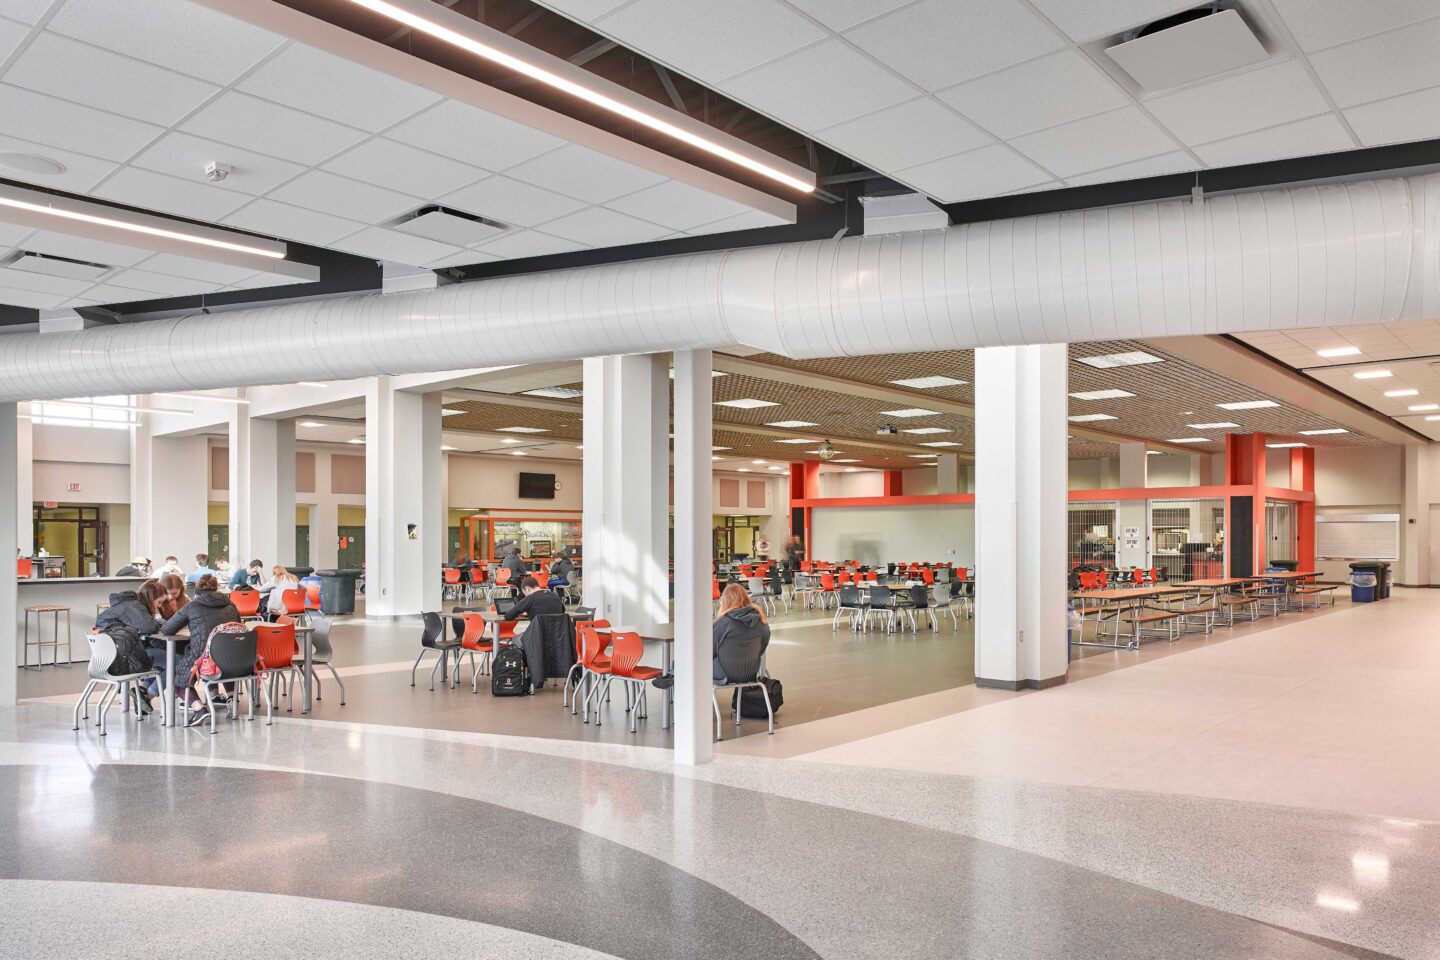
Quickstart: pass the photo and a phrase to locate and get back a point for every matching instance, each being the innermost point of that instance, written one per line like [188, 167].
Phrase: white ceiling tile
[583, 173]
[1249, 101]
[464, 259]
[84, 74]
[262, 280]
[156, 191]
[511, 201]
[598, 227]
[185, 156]
[529, 243]
[749, 220]
[26, 11]
[843, 14]
[343, 197]
[271, 129]
[12, 233]
[382, 244]
[107, 293]
[1101, 18]
[159, 284]
[939, 43]
[83, 248]
[387, 163]
[291, 223]
[30, 298]
[979, 173]
[11, 33]
[1412, 116]
[190, 268]
[81, 172]
[584, 11]
[819, 87]
[904, 136]
[676, 205]
[707, 44]
[338, 89]
[1094, 142]
[474, 136]
[1322, 134]
[1177, 162]
[1317, 24]
[1052, 90]
[71, 126]
[177, 34]
[42, 283]
[1382, 66]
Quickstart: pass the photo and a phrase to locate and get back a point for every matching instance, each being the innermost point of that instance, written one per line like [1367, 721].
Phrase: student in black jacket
[738, 624]
[537, 601]
[208, 610]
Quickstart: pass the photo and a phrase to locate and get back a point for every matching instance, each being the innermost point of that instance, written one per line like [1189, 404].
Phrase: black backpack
[131, 656]
[510, 673]
[752, 701]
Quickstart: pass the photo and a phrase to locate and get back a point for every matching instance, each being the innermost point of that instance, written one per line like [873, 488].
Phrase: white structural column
[169, 495]
[1416, 529]
[24, 485]
[627, 494]
[947, 474]
[1132, 546]
[241, 502]
[324, 519]
[9, 533]
[262, 490]
[404, 527]
[1021, 465]
[693, 493]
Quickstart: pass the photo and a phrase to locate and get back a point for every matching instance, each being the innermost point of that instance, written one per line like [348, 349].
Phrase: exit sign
[73, 486]
[50, 504]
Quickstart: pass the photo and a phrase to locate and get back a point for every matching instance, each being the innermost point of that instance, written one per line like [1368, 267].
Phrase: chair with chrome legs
[625, 652]
[942, 602]
[275, 647]
[236, 657]
[741, 664]
[589, 646]
[322, 652]
[882, 605]
[432, 639]
[755, 587]
[102, 655]
[849, 603]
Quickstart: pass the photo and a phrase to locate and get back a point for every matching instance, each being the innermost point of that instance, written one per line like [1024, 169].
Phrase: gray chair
[942, 602]
[881, 605]
[322, 652]
[850, 603]
[235, 655]
[755, 587]
[102, 655]
[742, 661]
[432, 639]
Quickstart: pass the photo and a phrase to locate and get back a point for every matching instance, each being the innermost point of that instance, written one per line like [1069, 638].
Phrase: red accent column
[894, 483]
[1245, 467]
[1302, 469]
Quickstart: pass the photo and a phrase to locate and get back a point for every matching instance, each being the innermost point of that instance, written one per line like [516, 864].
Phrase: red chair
[475, 641]
[292, 601]
[626, 651]
[1104, 579]
[714, 589]
[928, 576]
[843, 577]
[247, 603]
[593, 646]
[1155, 576]
[827, 588]
[583, 653]
[450, 580]
[1089, 580]
[502, 581]
[275, 648]
[312, 596]
[807, 566]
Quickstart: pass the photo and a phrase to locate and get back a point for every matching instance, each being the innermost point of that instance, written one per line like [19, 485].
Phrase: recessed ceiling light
[1373, 375]
[1432, 418]
[929, 383]
[1191, 440]
[1332, 352]
[792, 424]
[1153, 453]
[32, 163]
[1326, 432]
[1248, 405]
[510, 440]
[521, 430]
[925, 430]
[558, 393]
[310, 423]
[940, 443]
[355, 440]
[852, 469]
[745, 404]
[518, 453]
[777, 468]
[1417, 407]
[1223, 425]
[311, 383]
[1406, 392]
[713, 373]
[1091, 417]
[1285, 446]
[909, 412]
[717, 458]
[1102, 394]
[450, 411]
[1130, 359]
[919, 456]
[482, 42]
[719, 448]
[853, 460]
[446, 447]
[744, 470]
[758, 463]
[798, 440]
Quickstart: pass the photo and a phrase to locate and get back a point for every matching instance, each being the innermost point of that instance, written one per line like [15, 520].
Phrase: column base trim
[1014, 685]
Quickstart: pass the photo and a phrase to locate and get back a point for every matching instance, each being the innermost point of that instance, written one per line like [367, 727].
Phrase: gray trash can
[337, 591]
[1379, 569]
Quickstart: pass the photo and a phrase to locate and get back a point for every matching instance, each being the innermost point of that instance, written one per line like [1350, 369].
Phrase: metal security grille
[1091, 533]
[1280, 530]
[1187, 538]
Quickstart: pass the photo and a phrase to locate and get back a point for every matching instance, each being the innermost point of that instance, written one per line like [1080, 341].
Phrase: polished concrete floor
[1269, 792]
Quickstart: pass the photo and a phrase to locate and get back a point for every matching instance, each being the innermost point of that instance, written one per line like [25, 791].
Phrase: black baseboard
[1020, 684]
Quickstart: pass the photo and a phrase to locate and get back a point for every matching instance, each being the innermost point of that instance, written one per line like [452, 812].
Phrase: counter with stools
[73, 599]
[56, 641]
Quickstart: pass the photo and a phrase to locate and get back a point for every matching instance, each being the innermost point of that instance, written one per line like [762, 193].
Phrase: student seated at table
[560, 569]
[252, 576]
[204, 613]
[270, 591]
[739, 623]
[537, 601]
[202, 567]
[134, 612]
[173, 598]
[514, 564]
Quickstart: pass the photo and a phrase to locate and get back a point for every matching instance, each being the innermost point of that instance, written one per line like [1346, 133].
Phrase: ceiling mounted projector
[1187, 47]
[825, 451]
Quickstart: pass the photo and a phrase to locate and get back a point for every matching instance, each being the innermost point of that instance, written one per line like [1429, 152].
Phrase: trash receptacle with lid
[337, 591]
[1362, 587]
[1379, 569]
[1289, 566]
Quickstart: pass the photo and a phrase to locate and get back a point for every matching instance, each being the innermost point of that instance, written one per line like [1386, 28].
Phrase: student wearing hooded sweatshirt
[738, 624]
[204, 613]
[133, 615]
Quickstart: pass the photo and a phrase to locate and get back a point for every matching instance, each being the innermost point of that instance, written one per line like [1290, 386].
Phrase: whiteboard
[1374, 536]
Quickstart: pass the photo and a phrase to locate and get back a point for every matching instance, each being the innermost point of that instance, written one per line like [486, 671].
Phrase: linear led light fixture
[1330, 353]
[467, 35]
[1248, 405]
[79, 211]
[1329, 431]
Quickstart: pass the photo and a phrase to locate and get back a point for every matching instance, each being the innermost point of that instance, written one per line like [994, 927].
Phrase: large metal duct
[1336, 254]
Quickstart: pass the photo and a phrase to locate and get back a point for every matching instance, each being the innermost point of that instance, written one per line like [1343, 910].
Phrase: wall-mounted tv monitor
[537, 486]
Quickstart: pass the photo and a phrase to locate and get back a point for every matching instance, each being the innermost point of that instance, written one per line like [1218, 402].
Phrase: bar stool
[40, 643]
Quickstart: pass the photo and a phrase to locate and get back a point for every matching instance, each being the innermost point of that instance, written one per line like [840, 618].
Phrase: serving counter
[80, 594]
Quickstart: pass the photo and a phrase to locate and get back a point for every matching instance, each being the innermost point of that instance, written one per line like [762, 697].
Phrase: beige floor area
[1336, 711]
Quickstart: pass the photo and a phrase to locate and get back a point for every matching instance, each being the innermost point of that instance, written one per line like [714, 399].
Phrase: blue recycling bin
[1362, 588]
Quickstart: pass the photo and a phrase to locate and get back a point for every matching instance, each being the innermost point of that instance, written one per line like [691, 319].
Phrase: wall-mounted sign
[1131, 538]
[73, 486]
[50, 504]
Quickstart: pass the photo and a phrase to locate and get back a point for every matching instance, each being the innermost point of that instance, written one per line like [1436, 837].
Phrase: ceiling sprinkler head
[215, 172]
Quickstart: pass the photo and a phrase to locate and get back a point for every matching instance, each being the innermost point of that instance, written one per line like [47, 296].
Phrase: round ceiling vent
[32, 164]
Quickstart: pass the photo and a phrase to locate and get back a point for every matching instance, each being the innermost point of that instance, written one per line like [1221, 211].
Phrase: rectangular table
[1125, 597]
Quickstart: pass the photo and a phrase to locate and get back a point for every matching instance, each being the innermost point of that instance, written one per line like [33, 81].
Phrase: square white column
[1132, 517]
[262, 490]
[24, 486]
[404, 527]
[9, 533]
[627, 492]
[693, 493]
[1021, 465]
[169, 495]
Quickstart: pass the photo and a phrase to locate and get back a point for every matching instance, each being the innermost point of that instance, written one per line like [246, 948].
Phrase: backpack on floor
[510, 673]
[752, 701]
